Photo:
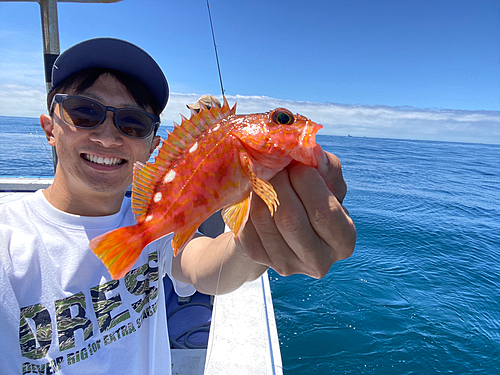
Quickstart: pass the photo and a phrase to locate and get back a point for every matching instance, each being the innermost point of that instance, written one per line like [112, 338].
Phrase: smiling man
[96, 163]
[60, 310]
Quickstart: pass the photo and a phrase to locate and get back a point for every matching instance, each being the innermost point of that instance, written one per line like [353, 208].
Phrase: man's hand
[311, 229]
[309, 232]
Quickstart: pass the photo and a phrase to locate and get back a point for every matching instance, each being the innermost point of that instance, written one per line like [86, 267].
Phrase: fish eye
[282, 117]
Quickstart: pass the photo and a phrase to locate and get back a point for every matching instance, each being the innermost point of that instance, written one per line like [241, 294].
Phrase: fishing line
[215, 48]
[214, 310]
[44, 146]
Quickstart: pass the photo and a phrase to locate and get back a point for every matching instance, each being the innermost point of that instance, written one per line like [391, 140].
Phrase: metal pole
[50, 32]
[50, 36]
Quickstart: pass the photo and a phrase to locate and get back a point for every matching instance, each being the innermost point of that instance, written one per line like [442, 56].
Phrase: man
[60, 310]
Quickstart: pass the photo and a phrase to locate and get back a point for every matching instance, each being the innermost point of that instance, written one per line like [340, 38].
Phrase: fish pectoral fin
[264, 190]
[182, 238]
[236, 216]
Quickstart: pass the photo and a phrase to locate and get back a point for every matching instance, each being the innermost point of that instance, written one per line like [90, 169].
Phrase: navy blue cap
[116, 54]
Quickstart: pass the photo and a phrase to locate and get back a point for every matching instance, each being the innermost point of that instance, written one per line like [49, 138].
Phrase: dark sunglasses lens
[82, 112]
[134, 123]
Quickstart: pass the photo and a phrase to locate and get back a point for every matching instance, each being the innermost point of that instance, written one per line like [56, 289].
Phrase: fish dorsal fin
[188, 133]
[148, 176]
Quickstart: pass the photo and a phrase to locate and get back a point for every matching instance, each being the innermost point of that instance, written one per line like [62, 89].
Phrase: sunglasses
[86, 113]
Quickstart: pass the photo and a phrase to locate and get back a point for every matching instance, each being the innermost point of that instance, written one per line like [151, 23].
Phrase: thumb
[330, 169]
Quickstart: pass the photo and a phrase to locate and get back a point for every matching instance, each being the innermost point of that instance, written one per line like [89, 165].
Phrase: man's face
[100, 159]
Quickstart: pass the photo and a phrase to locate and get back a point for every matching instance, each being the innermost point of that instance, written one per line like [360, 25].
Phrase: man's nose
[107, 134]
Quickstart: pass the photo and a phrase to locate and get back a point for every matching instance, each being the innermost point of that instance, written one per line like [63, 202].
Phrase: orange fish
[213, 160]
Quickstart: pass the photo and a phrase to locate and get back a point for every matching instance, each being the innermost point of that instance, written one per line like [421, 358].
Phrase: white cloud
[22, 100]
[337, 119]
[369, 121]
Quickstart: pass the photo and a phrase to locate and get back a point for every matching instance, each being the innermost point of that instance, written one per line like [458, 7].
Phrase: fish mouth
[102, 160]
[304, 153]
[308, 136]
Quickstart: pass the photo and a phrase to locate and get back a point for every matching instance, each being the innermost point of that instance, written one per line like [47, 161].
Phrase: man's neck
[83, 203]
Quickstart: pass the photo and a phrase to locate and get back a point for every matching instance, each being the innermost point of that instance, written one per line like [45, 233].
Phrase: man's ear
[154, 143]
[48, 128]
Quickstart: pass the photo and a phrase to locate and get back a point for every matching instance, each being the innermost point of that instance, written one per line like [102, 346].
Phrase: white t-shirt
[60, 311]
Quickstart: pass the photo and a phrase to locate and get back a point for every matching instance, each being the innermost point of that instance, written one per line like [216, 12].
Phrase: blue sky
[389, 68]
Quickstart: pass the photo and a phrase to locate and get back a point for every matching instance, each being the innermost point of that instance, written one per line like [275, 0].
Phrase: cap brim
[195, 106]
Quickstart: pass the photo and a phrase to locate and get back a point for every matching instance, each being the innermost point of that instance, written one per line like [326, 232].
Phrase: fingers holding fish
[267, 239]
[294, 225]
[263, 242]
[326, 215]
[299, 238]
[330, 169]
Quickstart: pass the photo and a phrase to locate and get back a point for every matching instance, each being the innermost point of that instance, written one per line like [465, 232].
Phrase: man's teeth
[103, 161]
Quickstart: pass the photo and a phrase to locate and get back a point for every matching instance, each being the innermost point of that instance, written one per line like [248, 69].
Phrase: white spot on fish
[193, 149]
[169, 177]
[157, 197]
[216, 127]
[149, 218]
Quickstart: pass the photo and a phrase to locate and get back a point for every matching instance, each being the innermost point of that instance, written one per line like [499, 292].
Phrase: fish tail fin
[119, 249]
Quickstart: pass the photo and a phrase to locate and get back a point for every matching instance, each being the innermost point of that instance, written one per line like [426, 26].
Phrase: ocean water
[421, 293]
[24, 150]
